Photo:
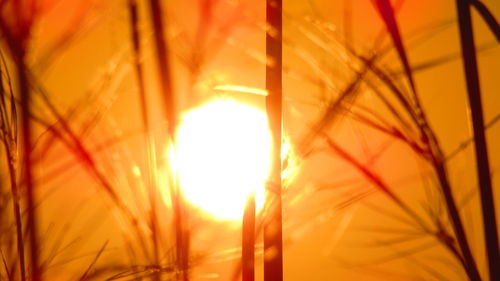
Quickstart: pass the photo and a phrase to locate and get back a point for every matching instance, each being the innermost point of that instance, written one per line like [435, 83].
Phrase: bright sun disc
[223, 155]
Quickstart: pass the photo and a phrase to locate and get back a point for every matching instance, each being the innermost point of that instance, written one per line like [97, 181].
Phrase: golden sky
[330, 232]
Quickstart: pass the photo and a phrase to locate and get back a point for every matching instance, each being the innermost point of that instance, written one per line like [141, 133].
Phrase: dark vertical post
[273, 245]
[248, 241]
[481, 149]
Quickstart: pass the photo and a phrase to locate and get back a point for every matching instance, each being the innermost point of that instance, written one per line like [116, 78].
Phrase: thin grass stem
[273, 240]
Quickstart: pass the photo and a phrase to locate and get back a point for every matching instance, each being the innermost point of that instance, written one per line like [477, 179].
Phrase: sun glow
[222, 156]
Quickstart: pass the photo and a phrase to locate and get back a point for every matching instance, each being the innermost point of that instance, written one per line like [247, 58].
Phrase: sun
[223, 156]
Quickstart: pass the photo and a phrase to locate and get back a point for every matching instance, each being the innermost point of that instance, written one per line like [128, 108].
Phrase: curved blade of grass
[488, 17]
[386, 11]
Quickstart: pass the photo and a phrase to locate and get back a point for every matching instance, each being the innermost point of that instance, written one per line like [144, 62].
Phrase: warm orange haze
[249, 140]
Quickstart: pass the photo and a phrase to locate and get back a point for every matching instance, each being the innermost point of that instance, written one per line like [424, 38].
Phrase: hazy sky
[324, 239]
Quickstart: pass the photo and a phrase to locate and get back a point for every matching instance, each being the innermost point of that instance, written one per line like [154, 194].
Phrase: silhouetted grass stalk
[273, 240]
[9, 132]
[429, 139]
[26, 130]
[248, 241]
[151, 171]
[433, 153]
[69, 138]
[167, 93]
[17, 41]
[430, 150]
[137, 60]
[412, 108]
[17, 213]
[481, 148]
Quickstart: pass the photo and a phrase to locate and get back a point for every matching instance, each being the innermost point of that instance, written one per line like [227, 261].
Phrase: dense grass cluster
[157, 227]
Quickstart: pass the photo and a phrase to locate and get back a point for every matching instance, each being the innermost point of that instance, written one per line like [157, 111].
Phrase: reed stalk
[490, 229]
[248, 241]
[9, 130]
[26, 131]
[273, 240]
[428, 137]
[167, 93]
[137, 61]
[17, 42]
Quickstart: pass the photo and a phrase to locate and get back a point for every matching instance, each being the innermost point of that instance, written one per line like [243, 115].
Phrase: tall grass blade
[248, 241]
[26, 130]
[468, 259]
[166, 88]
[481, 148]
[488, 17]
[387, 13]
[9, 130]
[136, 45]
[273, 240]
[18, 45]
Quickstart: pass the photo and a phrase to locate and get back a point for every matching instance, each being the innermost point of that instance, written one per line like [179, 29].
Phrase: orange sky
[322, 240]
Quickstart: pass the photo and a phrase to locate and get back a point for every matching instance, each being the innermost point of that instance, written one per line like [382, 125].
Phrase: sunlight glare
[223, 155]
